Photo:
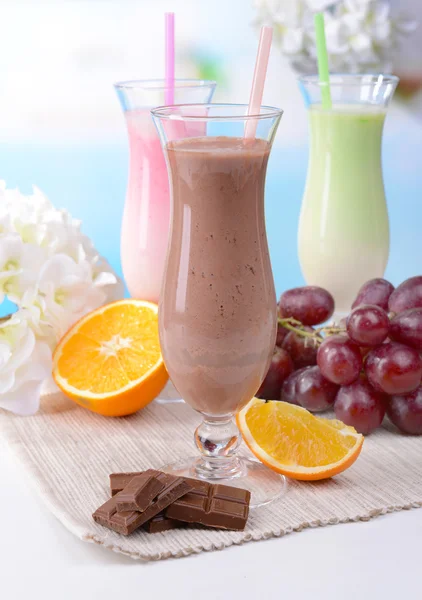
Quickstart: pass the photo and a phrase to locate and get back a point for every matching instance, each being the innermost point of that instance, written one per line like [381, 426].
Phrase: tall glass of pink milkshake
[146, 215]
[217, 310]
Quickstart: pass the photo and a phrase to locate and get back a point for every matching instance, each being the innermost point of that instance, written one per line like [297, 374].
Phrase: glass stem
[218, 441]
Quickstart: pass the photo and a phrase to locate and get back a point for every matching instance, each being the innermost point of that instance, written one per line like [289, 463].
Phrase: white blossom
[33, 307]
[19, 265]
[68, 291]
[319, 5]
[55, 275]
[25, 363]
[293, 41]
[361, 34]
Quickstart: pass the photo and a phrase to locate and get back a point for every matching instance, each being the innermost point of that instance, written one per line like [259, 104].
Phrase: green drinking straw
[322, 55]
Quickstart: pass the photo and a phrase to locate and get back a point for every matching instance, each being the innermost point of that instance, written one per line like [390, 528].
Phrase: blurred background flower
[362, 35]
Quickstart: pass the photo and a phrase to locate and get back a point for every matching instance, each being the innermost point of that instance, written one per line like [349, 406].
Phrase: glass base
[168, 400]
[168, 395]
[265, 485]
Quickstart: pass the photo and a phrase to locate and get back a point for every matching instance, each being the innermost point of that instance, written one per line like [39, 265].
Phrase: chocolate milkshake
[218, 305]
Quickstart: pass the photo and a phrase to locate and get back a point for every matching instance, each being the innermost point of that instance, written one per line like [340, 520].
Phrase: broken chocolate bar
[161, 523]
[118, 481]
[126, 522]
[104, 513]
[139, 493]
[212, 505]
[107, 515]
[209, 505]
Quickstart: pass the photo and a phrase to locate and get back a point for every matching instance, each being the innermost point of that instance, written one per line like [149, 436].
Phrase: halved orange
[292, 441]
[110, 361]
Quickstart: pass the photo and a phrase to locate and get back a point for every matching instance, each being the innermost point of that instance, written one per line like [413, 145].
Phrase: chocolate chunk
[108, 516]
[139, 493]
[212, 505]
[127, 521]
[118, 481]
[161, 523]
[104, 513]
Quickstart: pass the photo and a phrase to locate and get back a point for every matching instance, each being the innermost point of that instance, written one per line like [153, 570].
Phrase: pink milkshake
[146, 214]
[147, 210]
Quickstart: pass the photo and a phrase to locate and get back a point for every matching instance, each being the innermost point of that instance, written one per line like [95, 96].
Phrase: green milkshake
[343, 229]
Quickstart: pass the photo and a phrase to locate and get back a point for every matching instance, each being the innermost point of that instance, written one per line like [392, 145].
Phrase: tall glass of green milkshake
[343, 230]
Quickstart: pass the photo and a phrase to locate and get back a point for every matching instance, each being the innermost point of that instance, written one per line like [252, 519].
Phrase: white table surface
[40, 559]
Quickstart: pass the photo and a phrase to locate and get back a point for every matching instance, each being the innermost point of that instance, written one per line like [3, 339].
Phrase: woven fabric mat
[68, 452]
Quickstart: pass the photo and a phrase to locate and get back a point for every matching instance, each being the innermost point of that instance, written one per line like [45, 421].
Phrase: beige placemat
[68, 452]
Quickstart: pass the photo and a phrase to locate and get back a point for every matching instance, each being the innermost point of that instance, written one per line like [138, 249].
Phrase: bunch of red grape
[366, 366]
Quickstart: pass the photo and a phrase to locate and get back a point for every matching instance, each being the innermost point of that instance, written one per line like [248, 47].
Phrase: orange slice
[110, 361]
[294, 442]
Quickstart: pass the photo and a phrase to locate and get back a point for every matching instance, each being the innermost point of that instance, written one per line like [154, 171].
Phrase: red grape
[375, 291]
[393, 368]
[406, 328]
[302, 349]
[288, 389]
[313, 391]
[281, 334]
[368, 325]
[310, 304]
[406, 412]
[407, 295]
[360, 406]
[280, 367]
[339, 359]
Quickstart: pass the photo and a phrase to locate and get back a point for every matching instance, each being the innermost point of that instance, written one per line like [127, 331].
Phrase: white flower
[5, 222]
[54, 274]
[35, 230]
[361, 34]
[379, 24]
[22, 209]
[293, 41]
[19, 265]
[24, 364]
[104, 277]
[282, 14]
[33, 308]
[68, 291]
[319, 5]
[360, 8]
[336, 33]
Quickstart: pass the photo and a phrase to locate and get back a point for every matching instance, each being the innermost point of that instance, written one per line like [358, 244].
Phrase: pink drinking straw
[258, 82]
[169, 92]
